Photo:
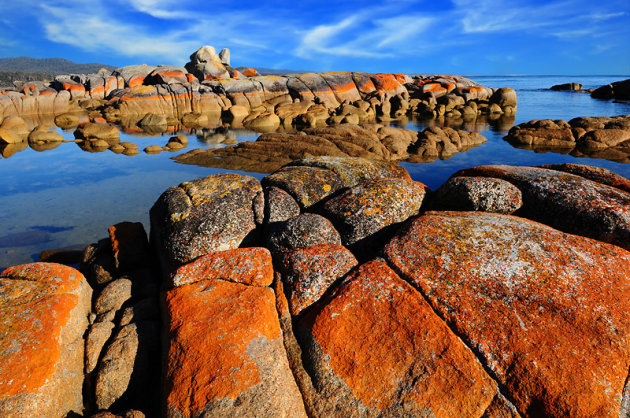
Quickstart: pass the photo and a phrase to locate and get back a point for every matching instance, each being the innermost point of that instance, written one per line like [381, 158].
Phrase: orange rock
[224, 353]
[387, 82]
[43, 316]
[251, 266]
[547, 312]
[376, 346]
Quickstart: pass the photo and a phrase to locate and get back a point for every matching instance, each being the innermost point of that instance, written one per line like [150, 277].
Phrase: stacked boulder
[339, 286]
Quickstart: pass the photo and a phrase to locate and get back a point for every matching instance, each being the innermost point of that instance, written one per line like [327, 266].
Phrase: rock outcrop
[209, 86]
[593, 137]
[619, 90]
[374, 141]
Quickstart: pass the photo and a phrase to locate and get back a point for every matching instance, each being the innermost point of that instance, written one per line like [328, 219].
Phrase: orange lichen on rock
[39, 319]
[546, 311]
[379, 338]
[221, 338]
[250, 266]
[387, 82]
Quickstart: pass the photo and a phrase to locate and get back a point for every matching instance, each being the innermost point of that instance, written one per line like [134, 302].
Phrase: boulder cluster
[619, 90]
[594, 137]
[337, 286]
[207, 91]
[367, 140]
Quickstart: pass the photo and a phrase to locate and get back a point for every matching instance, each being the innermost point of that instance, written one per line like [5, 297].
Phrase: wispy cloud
[363, 36]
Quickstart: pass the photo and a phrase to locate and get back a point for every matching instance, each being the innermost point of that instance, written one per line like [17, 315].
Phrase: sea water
[67, 198]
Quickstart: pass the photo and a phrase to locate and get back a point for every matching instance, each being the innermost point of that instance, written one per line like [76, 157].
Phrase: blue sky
[458, 36]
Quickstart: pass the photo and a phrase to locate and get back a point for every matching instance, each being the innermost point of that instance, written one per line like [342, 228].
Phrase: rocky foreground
[337, 286]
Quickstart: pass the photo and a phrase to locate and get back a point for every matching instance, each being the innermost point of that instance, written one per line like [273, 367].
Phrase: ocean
[67, 198]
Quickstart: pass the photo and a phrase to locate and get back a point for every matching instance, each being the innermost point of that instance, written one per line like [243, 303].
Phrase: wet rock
[9, 137]
[443, 143]
[130, 245]
[375, 347]
[67, 120]
[205, 64]
[617, 90]
[279, 205]
[44, 309]
[129, 368]
[61, 256]
[214, 213]
[16, 125]
[596, 137]
[224, 353]
[301, 232]
[504, 97]
[153, 149]
[250, 266]
[508, 287]
[89, 131]
[153, 122]
[567, 202]
[177, 142]
[567, 87]
[363, 213]
[308, 273]
[41, 135]
[478, 194]
[194, 120]
[597, 174]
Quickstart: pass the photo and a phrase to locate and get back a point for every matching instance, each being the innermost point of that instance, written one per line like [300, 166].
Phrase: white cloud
[361, 36]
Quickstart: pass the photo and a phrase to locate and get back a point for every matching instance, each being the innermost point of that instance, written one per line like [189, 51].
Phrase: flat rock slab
[214, 213]
[43, 316]
[547, 312]
[375, 347]
[225, 354]
[566, 202]
[250, 266]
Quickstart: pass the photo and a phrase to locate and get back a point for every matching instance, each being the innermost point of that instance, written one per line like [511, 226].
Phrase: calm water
[65, 197]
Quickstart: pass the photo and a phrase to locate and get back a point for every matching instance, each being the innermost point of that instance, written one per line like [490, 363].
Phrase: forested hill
[48, 66]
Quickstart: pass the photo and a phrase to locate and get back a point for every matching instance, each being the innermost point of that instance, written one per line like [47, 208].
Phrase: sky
[469, 37]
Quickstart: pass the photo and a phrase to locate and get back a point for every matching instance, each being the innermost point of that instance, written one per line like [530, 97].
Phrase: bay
[80, 194]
